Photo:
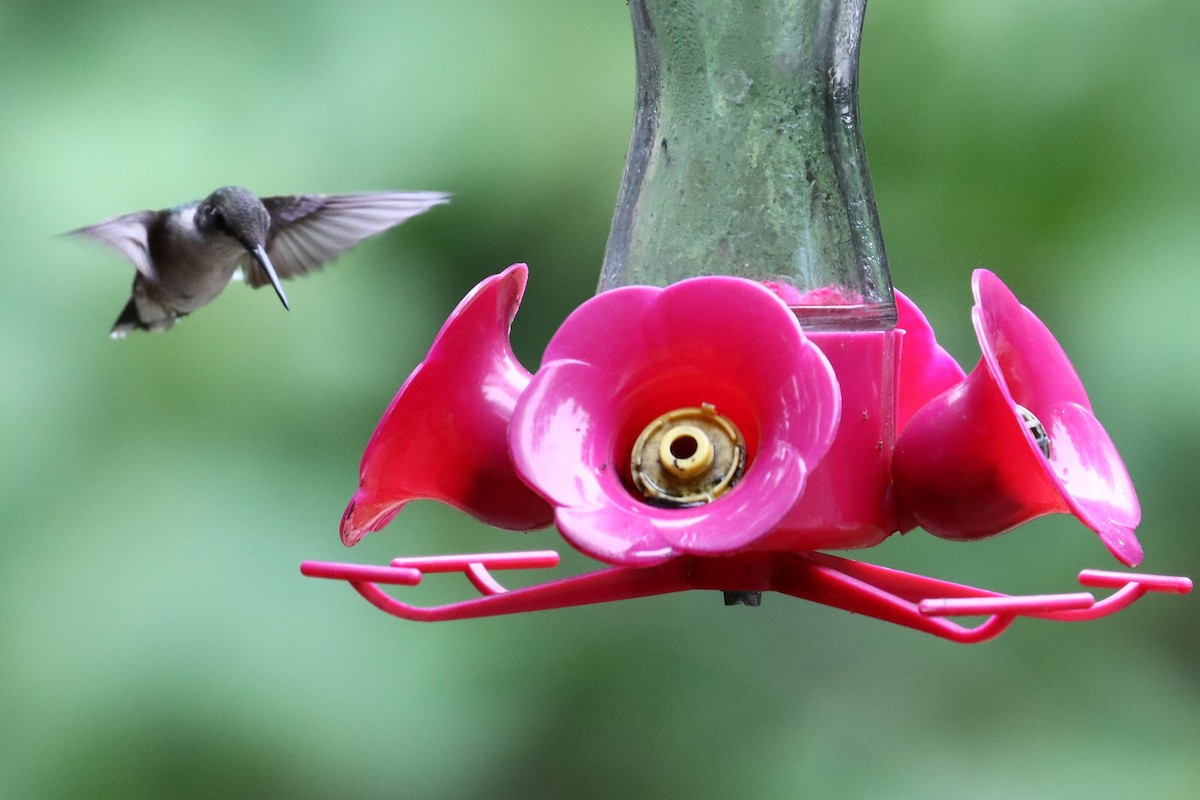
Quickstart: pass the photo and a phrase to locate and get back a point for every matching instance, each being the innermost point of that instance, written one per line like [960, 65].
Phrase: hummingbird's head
[237, 213]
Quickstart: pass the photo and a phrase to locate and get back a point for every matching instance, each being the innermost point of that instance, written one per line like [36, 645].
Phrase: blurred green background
[158, 494]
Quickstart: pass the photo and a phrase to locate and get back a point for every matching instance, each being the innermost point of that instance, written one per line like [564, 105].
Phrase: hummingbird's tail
[153, 319]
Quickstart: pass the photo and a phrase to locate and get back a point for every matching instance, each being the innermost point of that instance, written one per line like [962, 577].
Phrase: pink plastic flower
[1017, 439]
[631, 354]
[445, 435]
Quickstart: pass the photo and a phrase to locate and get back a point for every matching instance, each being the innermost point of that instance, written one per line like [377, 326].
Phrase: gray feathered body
[200, 267]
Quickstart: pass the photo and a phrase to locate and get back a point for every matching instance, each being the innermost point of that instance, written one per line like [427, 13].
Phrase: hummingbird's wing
[310, 230]
[128, 233]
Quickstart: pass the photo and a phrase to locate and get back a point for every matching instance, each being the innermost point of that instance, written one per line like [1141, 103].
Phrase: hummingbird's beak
[260, 254]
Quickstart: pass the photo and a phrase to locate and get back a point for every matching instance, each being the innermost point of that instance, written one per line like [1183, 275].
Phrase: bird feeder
[746, 391]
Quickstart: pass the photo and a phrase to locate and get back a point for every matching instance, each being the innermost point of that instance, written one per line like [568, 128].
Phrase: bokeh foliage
[158, 494]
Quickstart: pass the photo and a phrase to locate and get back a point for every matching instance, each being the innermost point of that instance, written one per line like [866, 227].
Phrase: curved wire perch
[902, 598]
[606, 585]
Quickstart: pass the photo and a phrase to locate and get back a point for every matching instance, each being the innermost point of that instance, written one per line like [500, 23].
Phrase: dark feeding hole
[1037, 429]
[684, 447]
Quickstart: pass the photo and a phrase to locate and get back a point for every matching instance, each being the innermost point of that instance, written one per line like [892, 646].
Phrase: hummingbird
[186, 255]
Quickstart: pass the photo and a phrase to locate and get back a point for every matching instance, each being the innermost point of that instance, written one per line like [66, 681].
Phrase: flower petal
[1018, 345]
[445, 434]
[926, 369]
[1094, 481]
